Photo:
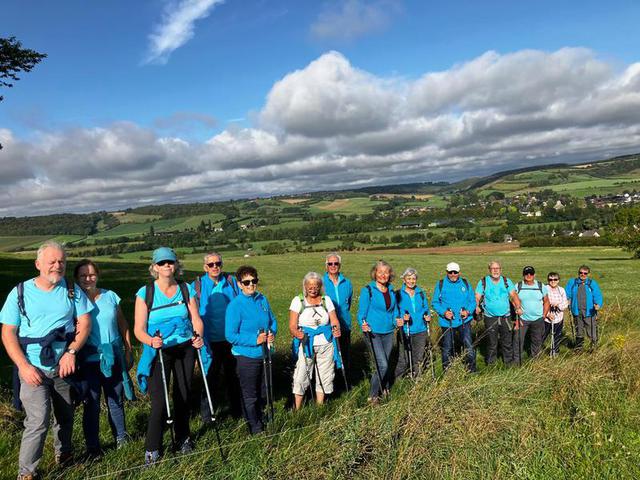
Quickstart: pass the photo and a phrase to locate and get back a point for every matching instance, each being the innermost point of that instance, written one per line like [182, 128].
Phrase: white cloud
[347, 20]
[176, 27]
[330, 125]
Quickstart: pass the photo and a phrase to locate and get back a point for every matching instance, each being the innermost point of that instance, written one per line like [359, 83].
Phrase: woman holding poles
[377, 317]
[314, 325]
[167, 323]
[554, 321]
[106, 359]
[249, 323]
[413, 308]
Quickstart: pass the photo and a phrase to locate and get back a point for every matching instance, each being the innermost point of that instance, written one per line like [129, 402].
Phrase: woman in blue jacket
[413, 308]
[377, 317]
[250, 322]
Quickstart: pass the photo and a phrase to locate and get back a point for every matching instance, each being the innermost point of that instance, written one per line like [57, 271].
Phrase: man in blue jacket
[454, 302]
[214, 291]
[339, 289]
[585, 299]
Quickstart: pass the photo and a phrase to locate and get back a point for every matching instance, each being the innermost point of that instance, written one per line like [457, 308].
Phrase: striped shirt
[558, 298]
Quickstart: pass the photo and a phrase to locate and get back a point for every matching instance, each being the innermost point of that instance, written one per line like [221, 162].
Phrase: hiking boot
[151, 458]
[122, 441]
[64, 458]
[94, 453]
[186, 447]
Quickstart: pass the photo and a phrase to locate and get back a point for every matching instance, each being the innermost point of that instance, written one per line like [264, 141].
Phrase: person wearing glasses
[214, 291]
[167, 319]
[340, 290]
[454, 302]
[413, 308]
[377, 317]
[250, 322]
[585, 298]
[314, 326]
[558, 302]
[495, 294]
[535, 308]
[106, 360]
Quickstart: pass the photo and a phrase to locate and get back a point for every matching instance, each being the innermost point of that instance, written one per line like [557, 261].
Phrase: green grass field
[574, 417]
[346, 206]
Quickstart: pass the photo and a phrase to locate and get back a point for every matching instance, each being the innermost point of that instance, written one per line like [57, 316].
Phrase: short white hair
[311, 276]
[50, 244]
[410, 271]
[212, 254]
[333, 254]
[495, 262]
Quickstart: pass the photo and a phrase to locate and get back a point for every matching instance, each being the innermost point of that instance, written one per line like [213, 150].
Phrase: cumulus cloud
[331, 125]
[350, 19]
[176, 27]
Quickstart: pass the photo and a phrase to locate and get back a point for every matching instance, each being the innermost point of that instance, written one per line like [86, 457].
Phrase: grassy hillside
[574, 417]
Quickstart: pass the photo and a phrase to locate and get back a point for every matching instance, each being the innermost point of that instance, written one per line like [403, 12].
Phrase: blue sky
[254, 89]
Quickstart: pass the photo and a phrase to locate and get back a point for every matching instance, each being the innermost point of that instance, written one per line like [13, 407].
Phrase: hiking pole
[270, 375]
[316, 372]
[520, 346]
[344, 372]
[266, 375]
[553, 339]
[305, 341]
[408, 345]
[208, 392]
[165, 387]
[433, 367]
[369, 335]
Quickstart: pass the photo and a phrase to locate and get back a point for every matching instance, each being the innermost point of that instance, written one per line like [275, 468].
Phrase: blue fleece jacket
[341, 295]
[373, 309]
[455, 296]
[246, 316]
[417, 306]
[213, 301]
[593, 295]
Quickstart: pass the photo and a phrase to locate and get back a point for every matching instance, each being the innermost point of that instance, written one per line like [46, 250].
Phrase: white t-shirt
[313, 316]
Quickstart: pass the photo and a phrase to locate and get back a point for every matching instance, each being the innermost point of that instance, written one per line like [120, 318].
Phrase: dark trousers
[461, 334]
[345, 349]
[499, 330]
[535, 330]
[179, 360]
[113, 392]
[585, 325]
[254, 393]
[223, 359]
[382, 345]
[418, 342]
[557, 335]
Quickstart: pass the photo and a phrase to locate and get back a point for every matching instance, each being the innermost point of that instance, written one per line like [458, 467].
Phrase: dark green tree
[624, 230]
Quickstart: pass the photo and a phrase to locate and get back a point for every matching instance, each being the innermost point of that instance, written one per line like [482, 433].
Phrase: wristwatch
[72, 351]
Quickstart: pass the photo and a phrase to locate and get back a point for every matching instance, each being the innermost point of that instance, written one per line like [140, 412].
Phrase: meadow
[576, 416]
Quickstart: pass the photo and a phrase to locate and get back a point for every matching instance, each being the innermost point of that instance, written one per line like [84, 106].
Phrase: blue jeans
[463, 334]
[113, 392]
[382, 344]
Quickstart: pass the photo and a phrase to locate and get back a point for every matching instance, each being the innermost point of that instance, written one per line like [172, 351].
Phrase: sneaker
[64, 458]
[122, 441]
[28, 476]
[150, 458]
[186, 447]
[94, 453]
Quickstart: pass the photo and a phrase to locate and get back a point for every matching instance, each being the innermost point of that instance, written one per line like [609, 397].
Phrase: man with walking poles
[45, 322]
[585, 299]
[454, 302]
[535, 308]
[495, 294]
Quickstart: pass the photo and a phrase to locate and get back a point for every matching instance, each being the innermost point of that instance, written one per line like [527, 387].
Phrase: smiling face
[312, 288]
[51, 264]
[87, 277]
[410, 281]
[248, 284]
[333, 265]
[165, 269]
[213, 266]
[382, 274]
[495, 270]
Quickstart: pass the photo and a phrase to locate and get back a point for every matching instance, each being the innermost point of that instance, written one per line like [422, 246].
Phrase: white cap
[453, 266]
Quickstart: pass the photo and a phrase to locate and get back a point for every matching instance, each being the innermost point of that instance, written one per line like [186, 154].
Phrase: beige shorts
[324, 370]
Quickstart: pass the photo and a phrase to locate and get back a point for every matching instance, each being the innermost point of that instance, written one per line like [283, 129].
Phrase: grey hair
[177, 274]
[382, 263]
[333, 254]
[312, 276]
[584, 267]
[495, 262]
[50, 244]
[410, 271]
[212, 254]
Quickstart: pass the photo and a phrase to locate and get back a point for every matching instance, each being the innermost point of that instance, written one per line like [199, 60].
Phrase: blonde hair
[382, 263]
[177, 274]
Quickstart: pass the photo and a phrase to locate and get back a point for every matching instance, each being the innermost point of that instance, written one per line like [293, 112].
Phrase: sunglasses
[583, 273]
[251, 281]
[162, 263]
[453, 272]
[552, 279]
[214, 264]
[333, 264]
[529, 274]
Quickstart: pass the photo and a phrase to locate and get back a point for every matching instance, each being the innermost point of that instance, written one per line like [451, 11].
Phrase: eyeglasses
[453, 272]
[214, 264]
[162, 263]
[249, 281]
[552, 279]
[333, 264]
[583, 273]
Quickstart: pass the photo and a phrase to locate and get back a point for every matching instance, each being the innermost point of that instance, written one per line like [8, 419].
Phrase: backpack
[71, 295]
[148, 297]
[519, 286]
[506, 286]
[466, 284]
[230, 279]
[303, 306]
[368, 287]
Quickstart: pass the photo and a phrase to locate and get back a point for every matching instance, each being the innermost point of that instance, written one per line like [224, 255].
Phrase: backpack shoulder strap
[440, 283]
[21, 307]
[324, 303]
[302, 305]
[398, 294]
[506, 284]
[519, 287]
[370, 291]
[422, 296]
[148, 295]
[198, 287]
[540, 286]
[484, 285]
[231, 280]
[184, 289]
[466, 283]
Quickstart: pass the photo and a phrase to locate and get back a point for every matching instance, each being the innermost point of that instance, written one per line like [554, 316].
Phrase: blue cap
[164, 253]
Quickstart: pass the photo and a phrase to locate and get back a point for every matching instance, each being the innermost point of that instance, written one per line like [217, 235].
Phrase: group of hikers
[70, 341]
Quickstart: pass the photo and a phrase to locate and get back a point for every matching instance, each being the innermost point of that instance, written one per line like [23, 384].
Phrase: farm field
[574, 417]
[346, 206]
